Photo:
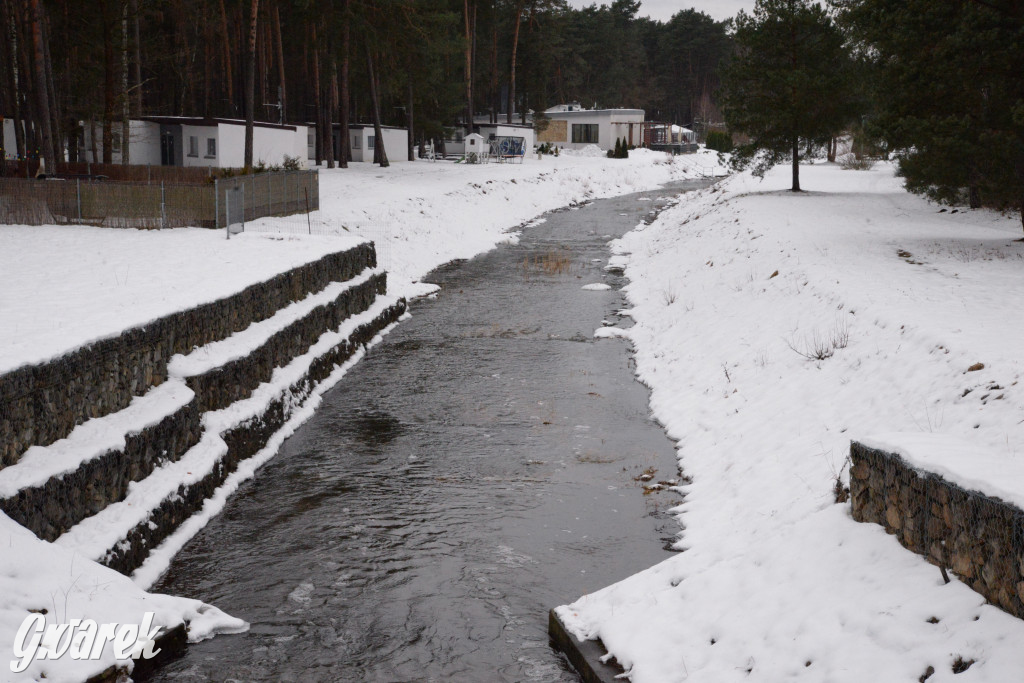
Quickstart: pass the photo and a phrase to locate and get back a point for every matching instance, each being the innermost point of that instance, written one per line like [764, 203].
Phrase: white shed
[475, 144]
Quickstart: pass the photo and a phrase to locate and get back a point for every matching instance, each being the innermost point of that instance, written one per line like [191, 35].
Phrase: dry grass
[551, 262]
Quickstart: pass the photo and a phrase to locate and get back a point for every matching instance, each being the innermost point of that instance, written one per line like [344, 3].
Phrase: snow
[596, 287]
[730, 291]
[62, 287]
[36, 575]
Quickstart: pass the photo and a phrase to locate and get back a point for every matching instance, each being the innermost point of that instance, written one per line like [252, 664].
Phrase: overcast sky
[664, 9]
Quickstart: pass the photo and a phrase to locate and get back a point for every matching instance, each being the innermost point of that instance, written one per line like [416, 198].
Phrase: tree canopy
[787, 84]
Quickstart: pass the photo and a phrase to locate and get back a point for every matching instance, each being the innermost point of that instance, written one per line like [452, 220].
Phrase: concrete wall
[981, 539]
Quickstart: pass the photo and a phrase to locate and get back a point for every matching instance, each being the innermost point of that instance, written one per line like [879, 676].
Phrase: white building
[363, 140]
[188, 141]
[572, 126]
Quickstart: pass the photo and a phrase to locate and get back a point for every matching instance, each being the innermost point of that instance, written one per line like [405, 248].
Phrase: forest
[422, 64]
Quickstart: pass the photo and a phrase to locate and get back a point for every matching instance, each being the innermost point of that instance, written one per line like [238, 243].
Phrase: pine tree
[950, 94]
[788, 83]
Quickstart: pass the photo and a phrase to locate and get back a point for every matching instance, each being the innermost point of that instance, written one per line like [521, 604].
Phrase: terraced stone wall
[40, 404]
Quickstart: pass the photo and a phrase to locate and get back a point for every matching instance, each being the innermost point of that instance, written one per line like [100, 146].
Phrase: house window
[371, 141]
[310, 144]
[584, 132]
[355, 142]
[193, 146]
[211, 148]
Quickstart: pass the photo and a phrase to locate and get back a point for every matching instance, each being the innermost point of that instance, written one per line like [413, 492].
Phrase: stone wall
[41, 404]
[243, 442]
[980, 538]
[235, 380]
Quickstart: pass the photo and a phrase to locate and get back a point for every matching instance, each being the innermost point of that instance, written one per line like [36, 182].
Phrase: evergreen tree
[788, 82]
[949, 93]
[618, 148]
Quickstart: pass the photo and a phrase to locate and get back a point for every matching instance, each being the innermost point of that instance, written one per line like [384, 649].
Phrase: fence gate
[234, 209]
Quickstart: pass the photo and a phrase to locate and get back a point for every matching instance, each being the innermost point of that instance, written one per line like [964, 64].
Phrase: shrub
[719, 141]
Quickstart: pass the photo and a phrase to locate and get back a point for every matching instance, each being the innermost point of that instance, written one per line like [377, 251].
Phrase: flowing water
[477, 468]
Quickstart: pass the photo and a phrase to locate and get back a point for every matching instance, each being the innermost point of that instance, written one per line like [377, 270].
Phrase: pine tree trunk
[469, 67]
[495, 98]
[250, 82]
[138, 58]
[229, 78]
[11, 30]
[343, 98]
[512, 65]
[280, 64]
[332, 106]
[43, 113]
[380, 155]
[796, 164]
[51, 93]
[109, 96]
[125, 95]
[317, 94]
[410, 136]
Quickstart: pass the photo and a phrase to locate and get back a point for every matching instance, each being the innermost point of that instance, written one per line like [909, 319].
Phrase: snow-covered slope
[732, 291]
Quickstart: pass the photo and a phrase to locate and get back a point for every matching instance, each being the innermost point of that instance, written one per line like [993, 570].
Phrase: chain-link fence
[121, 204]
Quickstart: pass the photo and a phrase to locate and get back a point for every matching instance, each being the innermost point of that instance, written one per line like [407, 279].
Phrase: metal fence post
[163, 206]
[227, 214]
[216, 203]
[78, 189]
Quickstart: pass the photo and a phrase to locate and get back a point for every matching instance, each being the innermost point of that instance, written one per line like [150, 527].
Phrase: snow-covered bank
[731, 292]
[36, 576]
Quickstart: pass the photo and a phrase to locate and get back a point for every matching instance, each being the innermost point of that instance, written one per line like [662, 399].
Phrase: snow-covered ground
[731, 291]
[62, 287]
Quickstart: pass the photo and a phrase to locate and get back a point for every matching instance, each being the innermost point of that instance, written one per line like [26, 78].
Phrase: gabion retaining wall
[981, 538]
[243, 442]
[40, 404]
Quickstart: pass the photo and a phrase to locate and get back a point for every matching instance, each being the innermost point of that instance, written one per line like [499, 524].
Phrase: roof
[210, 121]
[584, 112]
[502, 125]
[360, 126]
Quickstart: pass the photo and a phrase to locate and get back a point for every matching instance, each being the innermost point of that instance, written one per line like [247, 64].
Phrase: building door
[167, 148]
